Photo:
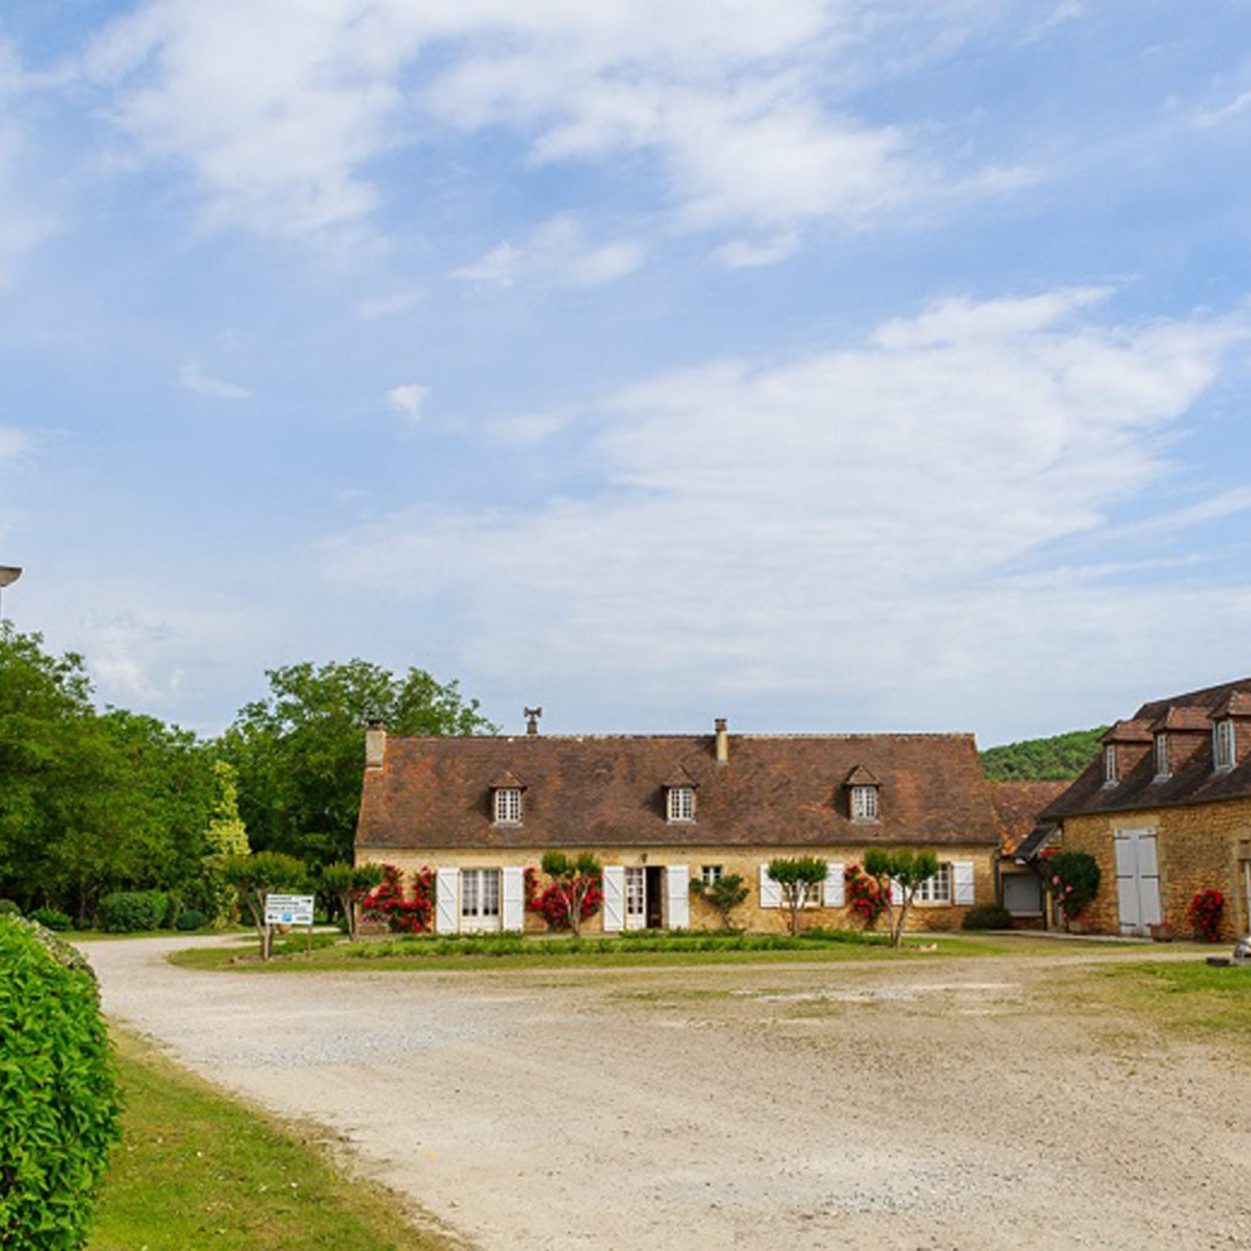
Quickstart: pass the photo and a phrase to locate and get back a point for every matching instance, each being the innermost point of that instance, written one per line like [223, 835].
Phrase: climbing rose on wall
[1205, 914]
[403, 914]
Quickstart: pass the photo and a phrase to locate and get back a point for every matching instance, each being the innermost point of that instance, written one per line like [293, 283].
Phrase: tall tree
[299, 753]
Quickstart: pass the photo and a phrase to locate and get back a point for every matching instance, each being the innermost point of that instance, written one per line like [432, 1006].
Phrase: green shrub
[191, 919]
[132, 911]
[59, 1101]
[9, 909]
[987, 916]
[51, 919]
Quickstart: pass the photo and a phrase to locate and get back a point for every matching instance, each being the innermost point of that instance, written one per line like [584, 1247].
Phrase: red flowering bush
[865, 896]
[1204, 914]
[404, 914]
[575, 886]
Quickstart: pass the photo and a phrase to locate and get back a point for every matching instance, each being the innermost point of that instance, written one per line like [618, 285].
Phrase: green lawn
[504, 951]
[1188, 996]
[198, 1170]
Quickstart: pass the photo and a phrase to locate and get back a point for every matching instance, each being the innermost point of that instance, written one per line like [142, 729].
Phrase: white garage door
[1137, 880]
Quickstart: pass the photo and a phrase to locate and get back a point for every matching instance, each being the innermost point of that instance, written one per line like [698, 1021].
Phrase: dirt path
[952, 1104]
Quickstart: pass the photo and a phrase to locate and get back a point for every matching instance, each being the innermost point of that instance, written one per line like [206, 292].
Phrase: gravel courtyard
[976, 1103]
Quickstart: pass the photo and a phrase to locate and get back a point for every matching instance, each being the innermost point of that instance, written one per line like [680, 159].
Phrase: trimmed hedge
[52, 919]
[9, 909]
[59, 1103]
[987, 916]
[132, 911]
[190, 920]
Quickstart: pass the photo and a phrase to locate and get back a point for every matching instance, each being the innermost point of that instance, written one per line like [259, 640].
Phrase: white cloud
[556, 252]
[374, 307]
[747, 254]
[12, 443]
[1206, 119]
[195, 379]
[408, 400]
[278, 107]
[824, 526]
[528, 427]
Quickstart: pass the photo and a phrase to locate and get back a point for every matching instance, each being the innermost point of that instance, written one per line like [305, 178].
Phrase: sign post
[291, 910]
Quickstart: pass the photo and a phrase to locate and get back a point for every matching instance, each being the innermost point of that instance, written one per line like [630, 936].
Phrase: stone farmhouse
[1166, 811]
[657, 810]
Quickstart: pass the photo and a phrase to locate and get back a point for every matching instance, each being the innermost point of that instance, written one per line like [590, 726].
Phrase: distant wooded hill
[1043, 759]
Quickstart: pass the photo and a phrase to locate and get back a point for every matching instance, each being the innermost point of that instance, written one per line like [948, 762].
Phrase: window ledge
[680, 821]
[866, 820]
[508, 825]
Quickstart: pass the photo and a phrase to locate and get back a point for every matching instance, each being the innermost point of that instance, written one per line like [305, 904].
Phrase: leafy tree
[576, 881]
[800, 880]
[300, 753]
[255, 877]
[347, 885]
[1055, 759]
[725, 894]
[905, 869]
[226, 836]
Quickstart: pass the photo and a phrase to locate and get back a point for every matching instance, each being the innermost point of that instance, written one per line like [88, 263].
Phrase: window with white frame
[864, 803]
[479, 894]
[681, 803]
[936, 889]
[1161, 756]
[710, 874]
[1110, 777]
[1223, 744]
[508, 805]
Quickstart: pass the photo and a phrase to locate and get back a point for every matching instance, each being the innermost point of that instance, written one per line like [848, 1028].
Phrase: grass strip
[197, 1169]
[1189, 996]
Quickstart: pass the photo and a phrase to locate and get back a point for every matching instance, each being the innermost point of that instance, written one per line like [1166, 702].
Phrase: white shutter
[770, 891]
[1127, 880]
[1149, 879]
[514, 898]
[677, 897]
[962, 881]
[896, 893]
[614, 898]
[447, 901]
[834, 889]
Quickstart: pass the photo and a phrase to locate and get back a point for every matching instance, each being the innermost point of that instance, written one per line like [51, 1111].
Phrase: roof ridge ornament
[532, 716]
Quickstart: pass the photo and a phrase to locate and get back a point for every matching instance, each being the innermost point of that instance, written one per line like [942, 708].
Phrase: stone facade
[745, 862]
[1198, 846]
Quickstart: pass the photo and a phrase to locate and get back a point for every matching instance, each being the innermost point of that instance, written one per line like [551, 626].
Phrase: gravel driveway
[945, 1104]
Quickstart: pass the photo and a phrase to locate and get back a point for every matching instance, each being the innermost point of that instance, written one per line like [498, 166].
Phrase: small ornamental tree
[1204, 915]
[904, 869]
[576, 890]
[725, 894]
[59, 1102]
[226, 836]
[255, 877]
[410, 913]
[347, 885]
[1072, 880]
[800, 880]
[864, 895]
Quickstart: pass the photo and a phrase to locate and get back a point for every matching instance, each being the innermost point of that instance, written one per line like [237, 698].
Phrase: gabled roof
[679, 776]
[860, 776]
[776, 790]
[1183, 719]
[1017, 805]
[506, 781]
[1194, 782]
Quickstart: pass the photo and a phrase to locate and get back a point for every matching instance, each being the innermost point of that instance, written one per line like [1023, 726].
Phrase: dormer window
[1161, 757]
[1223, 744]
[1110, 774]
[864, 803]
[681, 803]
[508, 805]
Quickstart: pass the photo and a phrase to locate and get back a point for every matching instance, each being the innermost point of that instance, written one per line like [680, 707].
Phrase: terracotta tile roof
[1017, 805]
[1135, 731]
[860, 776]
[1194, 781]
[776, 790]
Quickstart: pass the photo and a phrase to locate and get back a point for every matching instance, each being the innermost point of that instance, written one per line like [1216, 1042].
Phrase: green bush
[51, 919]
[191, 919]
[9, 909]
[59, 1105]
[132, 911]
[987, 916]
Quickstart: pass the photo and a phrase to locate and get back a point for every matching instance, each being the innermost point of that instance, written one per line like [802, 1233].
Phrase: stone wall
[1198, 846]
[743, 861]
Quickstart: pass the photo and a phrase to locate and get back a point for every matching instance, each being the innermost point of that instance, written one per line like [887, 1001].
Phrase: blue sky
[828, 365]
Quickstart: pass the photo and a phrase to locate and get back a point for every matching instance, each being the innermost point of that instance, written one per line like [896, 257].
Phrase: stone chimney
[375, 744]
[723, 742]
